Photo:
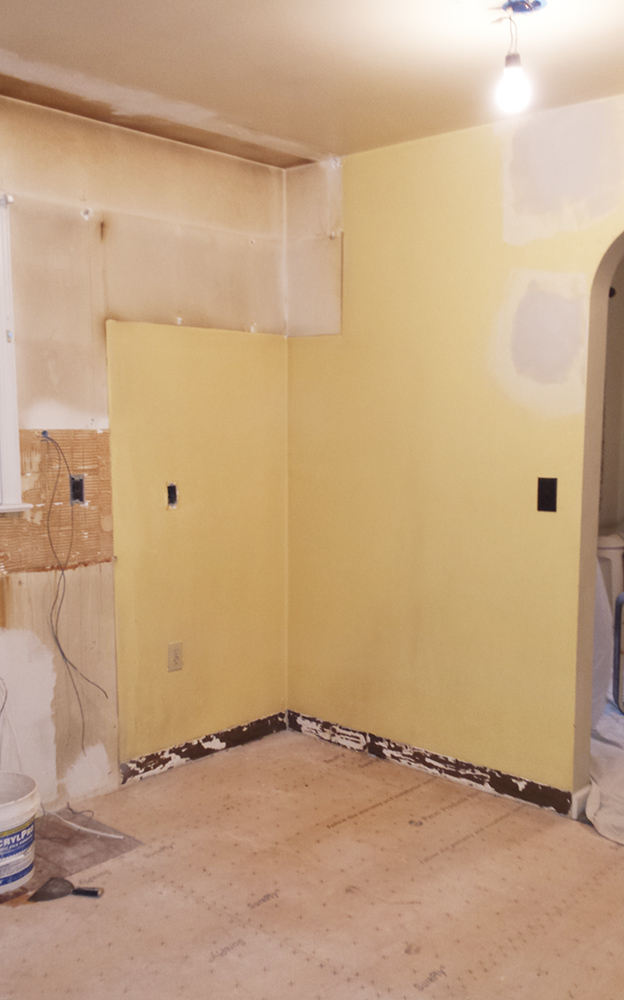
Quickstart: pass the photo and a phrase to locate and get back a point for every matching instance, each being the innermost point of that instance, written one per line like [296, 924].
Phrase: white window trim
[10, 468]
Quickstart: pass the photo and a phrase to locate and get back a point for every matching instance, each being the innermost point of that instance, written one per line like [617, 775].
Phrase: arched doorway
[594, 414]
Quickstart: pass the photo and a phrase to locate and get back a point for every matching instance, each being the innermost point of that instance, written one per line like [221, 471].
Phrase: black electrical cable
[60, 589]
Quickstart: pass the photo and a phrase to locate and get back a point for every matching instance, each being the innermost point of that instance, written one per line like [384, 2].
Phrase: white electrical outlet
[175, 656]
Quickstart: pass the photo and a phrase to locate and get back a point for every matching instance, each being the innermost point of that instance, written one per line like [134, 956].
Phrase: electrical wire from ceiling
[73, 671]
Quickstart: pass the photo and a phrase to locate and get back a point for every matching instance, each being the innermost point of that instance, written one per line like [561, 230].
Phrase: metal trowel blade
[55, 887]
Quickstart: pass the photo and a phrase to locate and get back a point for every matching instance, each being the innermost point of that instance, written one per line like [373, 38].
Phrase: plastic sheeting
[605, 805]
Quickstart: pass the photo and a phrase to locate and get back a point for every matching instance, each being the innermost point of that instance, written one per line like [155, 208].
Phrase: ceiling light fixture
[514, 90]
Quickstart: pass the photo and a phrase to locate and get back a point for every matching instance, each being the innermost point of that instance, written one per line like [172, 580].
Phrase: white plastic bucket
[19, 802]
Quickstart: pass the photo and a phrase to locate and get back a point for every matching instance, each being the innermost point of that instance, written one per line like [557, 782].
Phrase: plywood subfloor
[62, 851]
[291, 868]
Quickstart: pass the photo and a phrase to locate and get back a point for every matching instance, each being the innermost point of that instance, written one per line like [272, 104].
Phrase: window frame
[10, 465]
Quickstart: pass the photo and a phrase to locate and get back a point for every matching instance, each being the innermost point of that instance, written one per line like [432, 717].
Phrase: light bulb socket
[512, 60]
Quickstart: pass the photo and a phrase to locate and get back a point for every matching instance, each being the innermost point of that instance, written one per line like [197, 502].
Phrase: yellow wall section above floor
[205, 409]
[430, 602]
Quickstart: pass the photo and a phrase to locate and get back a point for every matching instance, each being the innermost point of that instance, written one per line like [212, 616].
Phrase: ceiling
[288, 81]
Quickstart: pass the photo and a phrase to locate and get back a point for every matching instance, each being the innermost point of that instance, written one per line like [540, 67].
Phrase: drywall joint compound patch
[562, 169]
[538, 351]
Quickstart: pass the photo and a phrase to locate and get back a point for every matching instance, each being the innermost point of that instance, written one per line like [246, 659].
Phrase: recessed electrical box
[175, 656]
[172, 495]
[547, 494]
[76, 489]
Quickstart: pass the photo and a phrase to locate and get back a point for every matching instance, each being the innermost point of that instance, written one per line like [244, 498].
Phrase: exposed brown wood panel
[24, 541]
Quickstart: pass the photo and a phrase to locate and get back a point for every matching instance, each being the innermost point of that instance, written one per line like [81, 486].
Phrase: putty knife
[54, 888]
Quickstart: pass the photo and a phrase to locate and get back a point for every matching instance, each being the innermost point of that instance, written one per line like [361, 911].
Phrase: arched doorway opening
[593, 510]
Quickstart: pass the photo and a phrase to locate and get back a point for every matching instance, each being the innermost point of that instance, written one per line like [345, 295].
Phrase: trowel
[54, 888]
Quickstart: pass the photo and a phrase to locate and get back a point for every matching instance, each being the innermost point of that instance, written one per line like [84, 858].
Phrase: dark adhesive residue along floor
[294, 869]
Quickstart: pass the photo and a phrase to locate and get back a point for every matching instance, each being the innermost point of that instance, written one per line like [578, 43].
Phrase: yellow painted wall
[430, 602]
[204, 409]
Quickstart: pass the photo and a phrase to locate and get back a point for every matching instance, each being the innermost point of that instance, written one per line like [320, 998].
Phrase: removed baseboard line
[481, 777]
[164, 760]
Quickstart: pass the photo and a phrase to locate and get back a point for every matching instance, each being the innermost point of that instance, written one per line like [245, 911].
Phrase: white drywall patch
[89, 774]
[27, 733]
[547, 335]
[539, 348]
[562, 170]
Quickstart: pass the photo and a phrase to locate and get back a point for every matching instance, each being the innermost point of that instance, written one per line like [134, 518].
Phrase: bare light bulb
[514, 90]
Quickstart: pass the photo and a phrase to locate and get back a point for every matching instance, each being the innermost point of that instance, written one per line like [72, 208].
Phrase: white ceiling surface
[308, 77]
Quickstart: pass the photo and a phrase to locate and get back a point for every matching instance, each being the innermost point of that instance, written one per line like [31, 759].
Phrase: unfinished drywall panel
[140, 267]
[314, 200]
[59, 316]
[430, 601]
[164, 273]
[563, 170]
[43, 704]
[63, 158]
[204, 410]
[315, 286]
[107, 222]
[231, 281]
[313, 197]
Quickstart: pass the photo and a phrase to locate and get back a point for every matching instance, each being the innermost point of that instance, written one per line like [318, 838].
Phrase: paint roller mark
[547, 335]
